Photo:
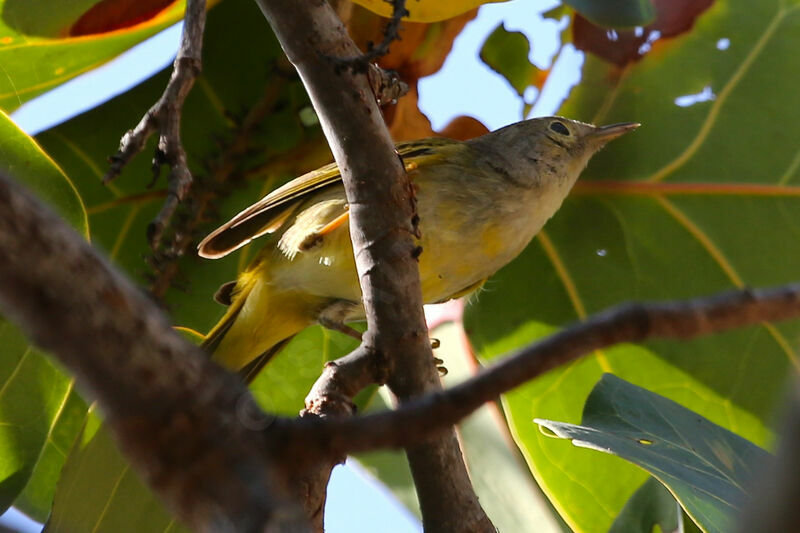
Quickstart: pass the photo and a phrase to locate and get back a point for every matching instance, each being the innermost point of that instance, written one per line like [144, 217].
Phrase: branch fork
[165, 117]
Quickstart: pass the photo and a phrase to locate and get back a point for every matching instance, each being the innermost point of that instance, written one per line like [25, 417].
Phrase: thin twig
[165, 117]
[222, 173]
[361, 62]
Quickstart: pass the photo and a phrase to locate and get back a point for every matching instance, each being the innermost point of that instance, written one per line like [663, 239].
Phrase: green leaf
[39, 417]
[40, 412]
[36, 499]
[25, 161]
[38, 53]
[652, 504]
[506, 52]
[615, 13]
[99, 491]
[701, 198]
[284, 384]
[705, 466]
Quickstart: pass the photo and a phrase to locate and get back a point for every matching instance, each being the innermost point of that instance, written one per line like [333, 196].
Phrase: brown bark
[382, 222]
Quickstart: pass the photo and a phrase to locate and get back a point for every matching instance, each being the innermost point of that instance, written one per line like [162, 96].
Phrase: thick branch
[166, 403]
[383, 221]
[165, 117]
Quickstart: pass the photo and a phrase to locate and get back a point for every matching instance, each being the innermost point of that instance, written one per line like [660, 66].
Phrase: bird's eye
[559, 127]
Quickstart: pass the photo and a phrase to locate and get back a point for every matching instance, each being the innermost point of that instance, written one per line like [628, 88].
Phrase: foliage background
[702, 198]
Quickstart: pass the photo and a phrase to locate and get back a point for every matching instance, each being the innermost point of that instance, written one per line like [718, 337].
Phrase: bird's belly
[451, 263]
[458, 251]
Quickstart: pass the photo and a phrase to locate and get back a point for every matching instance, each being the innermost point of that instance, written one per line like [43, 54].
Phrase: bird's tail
[259, 323]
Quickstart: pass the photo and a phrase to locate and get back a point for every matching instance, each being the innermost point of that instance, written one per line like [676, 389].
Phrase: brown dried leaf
[422, 48]
[463, 128]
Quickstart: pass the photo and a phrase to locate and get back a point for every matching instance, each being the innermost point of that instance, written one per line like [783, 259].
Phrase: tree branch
[382, 222]
[173, 412]
[165, 117]
[428, 415]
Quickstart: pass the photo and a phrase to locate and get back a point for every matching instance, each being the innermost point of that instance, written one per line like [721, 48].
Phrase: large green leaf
[99, 491]
[705, 466]
[25, 161]
[39, 417]
[39, 48]
[702, 198]
[39, 409]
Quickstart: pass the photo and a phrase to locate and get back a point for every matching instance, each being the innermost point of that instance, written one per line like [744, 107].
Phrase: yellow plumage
[480, 202]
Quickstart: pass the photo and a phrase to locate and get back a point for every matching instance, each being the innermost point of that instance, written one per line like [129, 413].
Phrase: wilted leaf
[110, 15]
[420, 51]
[390, 466]
[507, 492]
[705, 466]
[463, 128]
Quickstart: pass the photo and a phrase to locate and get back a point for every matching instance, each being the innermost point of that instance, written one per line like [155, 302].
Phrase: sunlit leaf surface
[45, 43]
[39, 409]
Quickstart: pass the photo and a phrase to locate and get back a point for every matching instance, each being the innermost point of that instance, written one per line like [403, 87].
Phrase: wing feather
[271, 212]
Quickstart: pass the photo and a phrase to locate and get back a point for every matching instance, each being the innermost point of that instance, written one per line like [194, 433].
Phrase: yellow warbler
[480, 202]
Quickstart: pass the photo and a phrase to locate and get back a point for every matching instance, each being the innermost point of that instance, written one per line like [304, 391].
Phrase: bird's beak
[604, 134]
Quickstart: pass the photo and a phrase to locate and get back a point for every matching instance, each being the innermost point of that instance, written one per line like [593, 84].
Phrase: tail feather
[259, 322]
[217, 333]
[251, 370]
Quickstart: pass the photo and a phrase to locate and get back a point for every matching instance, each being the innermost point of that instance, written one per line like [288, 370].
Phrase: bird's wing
[271, 212]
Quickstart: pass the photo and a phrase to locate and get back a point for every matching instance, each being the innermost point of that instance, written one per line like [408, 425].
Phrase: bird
[480, 202]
